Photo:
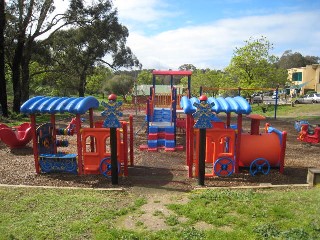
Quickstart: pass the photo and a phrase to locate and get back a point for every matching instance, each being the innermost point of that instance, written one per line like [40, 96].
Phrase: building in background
[304, 79]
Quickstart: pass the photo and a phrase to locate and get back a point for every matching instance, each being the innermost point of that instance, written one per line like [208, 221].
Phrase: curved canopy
[237, 105]
[52, 105]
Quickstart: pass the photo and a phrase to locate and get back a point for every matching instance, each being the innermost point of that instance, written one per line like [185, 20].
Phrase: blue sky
[165, 34]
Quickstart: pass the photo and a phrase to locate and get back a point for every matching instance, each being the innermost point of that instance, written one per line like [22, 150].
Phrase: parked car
[257, 99]
[309, 98]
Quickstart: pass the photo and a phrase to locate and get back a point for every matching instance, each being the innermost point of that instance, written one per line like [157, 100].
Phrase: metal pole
[202, 150]
[114, 162]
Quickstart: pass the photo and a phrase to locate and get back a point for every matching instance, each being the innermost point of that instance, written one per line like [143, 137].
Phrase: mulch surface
[162, 170]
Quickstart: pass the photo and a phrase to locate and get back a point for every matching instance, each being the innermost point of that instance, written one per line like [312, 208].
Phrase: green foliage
[252, 66]
[97, 81]
[294, 60]
[190, 67]
[120, 85]
[144, 77]
[205, 78]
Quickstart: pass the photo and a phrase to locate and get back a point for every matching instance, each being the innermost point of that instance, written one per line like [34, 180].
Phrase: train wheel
[223, 167]
[105, 167]
[260, 165]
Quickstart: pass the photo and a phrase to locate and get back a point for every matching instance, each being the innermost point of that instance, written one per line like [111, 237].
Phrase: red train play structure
[93, 142]
[227, 147]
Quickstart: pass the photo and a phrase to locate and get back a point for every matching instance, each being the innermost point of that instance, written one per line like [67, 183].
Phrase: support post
[114, 164]
[202, 150]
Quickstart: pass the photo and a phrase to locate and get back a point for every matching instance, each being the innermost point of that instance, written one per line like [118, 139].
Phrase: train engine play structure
[93, 155]
[227, 147]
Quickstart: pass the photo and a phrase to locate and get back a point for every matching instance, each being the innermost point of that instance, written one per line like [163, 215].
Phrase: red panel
[159, 72]
[169, 136]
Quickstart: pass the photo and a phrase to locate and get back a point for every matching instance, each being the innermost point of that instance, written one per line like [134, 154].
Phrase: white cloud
[141, 11]
[212, 45]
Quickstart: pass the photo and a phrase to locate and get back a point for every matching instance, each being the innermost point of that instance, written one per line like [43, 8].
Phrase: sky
[165, 34]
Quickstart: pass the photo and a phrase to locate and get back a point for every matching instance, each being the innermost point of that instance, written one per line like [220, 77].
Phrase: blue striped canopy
[52, 105]
[236, 104]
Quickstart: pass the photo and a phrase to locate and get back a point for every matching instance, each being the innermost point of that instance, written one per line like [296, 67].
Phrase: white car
[309, 98]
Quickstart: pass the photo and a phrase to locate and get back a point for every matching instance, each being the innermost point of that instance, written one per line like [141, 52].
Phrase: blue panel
[161, 142]
[62, 106]
[169, 129]
[52, 107]
[46, 104]
[34, 108]
[245, 107]
[234, 106]
[170, 144]
[71, 105]
[225, 107]
[217, 107]
[153, 129]
[152, 143]
[56, 104]
[58, 163]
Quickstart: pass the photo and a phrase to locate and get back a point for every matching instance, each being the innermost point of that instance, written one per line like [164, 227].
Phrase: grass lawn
[230, 214]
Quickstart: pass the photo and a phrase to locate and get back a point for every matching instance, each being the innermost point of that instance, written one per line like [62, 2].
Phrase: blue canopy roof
[52, 105]
[236, 104]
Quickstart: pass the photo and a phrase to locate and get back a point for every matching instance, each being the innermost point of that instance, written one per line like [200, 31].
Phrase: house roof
[52, 105]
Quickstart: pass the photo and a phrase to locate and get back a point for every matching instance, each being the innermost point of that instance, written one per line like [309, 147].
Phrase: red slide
[15, 137]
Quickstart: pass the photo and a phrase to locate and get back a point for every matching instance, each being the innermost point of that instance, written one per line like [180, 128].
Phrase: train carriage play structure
[227, 147]
[92, 143]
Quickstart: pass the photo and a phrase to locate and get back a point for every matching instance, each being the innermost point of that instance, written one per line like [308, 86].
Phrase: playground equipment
[162, 121]
[93, 147]
[16, 137]
[307, 132]
[227, 146]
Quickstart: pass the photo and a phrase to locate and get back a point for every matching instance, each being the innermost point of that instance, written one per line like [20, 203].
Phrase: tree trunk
[3, 86]
[25, 73]
[16, 77]
[82, 84]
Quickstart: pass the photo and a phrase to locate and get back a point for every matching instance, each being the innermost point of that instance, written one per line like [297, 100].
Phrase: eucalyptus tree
[78, 50]
[121, 85]
[294, 60]
[27, 20]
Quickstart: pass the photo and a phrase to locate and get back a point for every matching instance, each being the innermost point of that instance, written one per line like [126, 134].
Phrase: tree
[77, 51]
[187, 67]
[121, 85]
[204, 78]
[294, 60]
[144, 77]
[27, 21]
[96, 83]
[3, 86]
[252, 66]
